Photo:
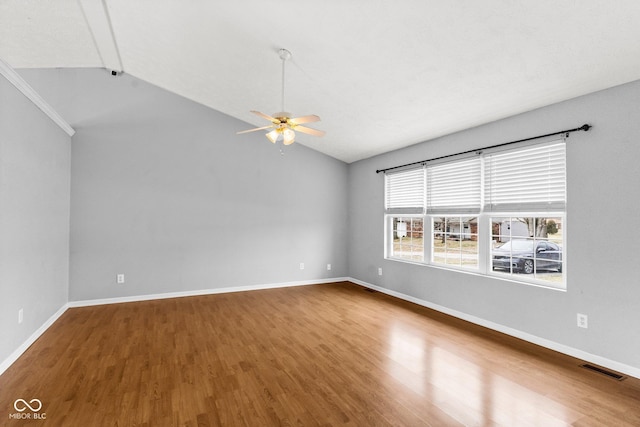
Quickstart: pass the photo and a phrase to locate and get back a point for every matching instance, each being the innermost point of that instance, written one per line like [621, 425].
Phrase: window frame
[484, 216]
[445, 233]
[389, 240]
[523, 277]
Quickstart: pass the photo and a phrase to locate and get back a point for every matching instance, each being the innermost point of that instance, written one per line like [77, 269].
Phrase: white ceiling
[381, 74]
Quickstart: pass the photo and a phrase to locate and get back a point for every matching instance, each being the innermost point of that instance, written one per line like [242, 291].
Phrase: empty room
[278, 213]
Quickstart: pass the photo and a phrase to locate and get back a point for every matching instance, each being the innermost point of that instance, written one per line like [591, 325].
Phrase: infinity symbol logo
[26, 405]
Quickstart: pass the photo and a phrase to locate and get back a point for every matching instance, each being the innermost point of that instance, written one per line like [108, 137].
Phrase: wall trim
[16, 80]
[561, 348]
[224, 290]
[5, 364]
[552, 345]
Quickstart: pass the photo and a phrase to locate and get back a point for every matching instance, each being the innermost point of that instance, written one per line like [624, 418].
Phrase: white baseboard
[136, 298]
[20, 350]
[560, 348]
[25, 345]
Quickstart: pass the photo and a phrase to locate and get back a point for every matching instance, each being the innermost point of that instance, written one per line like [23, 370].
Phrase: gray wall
[34, 217]
[165, 192]
[603, 242]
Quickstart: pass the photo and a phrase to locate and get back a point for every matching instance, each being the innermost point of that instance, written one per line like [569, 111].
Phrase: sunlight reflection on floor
[469, 393]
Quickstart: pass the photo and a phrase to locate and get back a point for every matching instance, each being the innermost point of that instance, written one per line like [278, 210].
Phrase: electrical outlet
[120, 279]
[583, 321]
[328, 266]
[379, 271]
[302, 266]
[20, 315]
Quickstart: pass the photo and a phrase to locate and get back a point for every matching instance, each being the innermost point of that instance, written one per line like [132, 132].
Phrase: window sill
[496, 276]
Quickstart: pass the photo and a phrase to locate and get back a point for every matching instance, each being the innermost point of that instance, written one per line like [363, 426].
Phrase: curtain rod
[584, 127]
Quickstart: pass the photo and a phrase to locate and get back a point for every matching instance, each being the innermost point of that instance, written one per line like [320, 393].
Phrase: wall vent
[603, 372]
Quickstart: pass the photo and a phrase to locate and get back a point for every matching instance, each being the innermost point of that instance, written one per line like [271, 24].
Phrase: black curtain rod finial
[585, 127]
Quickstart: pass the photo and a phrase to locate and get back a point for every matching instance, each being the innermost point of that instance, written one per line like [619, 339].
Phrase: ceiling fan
[282, 123]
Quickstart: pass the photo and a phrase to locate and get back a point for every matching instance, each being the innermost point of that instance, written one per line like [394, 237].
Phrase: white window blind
[405, 191]
[526, 179]
[454, 187]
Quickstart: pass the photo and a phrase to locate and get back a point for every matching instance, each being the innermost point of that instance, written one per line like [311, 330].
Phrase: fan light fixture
[282, 123]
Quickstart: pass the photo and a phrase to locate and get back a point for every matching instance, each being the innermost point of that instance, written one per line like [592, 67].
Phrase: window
[500, 213]
[407, 238]
[528, 245]
[455, 241]
[404, 196]
[454, 188]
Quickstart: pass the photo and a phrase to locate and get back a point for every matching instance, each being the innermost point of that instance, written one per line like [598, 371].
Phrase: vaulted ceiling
[382, 75]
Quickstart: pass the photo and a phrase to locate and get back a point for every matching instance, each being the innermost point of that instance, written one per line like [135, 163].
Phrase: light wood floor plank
[324, 355]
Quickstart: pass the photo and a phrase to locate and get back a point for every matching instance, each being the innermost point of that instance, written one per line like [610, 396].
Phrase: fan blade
[304, 119]
[309, 131]
[264, 116]
[256, 129]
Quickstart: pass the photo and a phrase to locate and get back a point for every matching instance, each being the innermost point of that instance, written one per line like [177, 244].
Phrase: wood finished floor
[323, 355]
